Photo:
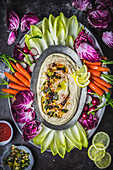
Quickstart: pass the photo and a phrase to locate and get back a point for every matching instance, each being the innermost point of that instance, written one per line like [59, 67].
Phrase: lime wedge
[102, 138]
[104, 162]
[53, 147]
[92, 151]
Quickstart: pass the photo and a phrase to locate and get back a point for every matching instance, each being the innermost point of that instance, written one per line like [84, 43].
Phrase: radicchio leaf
[103, 4]
[107, 38]
[82, 5]
[82, 38]
[17, 54]
[31, 129]
[12, 37]
[27, 20]
[99, 18]
[87, 52]
[12, 20]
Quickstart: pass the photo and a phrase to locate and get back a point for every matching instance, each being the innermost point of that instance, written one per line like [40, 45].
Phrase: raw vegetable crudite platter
[53, 36]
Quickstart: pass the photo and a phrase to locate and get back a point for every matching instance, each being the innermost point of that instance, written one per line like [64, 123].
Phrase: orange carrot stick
[12, 78]
[104, 58]
[10, 91]
[104, 83]
[100, 85]
[14, 66]
[22, 79]
[96, 89]
[95, 64]
[23, 71]
[17, 87]
[98, 68]
[94, 72]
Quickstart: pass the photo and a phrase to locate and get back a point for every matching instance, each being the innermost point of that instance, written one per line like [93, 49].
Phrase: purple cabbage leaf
[82, 5]
[82, 38]
[99, 18]
[107, 38]
[87, 52]
[12, 20]
[28, 20]
[31, 129]
[104, 4]
[12, 37]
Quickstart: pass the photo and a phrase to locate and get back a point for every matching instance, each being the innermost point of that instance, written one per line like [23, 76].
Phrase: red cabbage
[27, 20]
[107, 38]
[23, 116]
[31, 129]
[103, 4]
[99, 18]
[82, 5]
[12, 20]
[17, 54]
[12, 37]
[82, 38]
[87, 52]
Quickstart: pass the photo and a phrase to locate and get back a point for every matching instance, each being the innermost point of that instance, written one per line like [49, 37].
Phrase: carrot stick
[96, 89]
[95, 64]
[22, 79]
[94, 72]
[104, 83]
[17, 87]
[23, 71]
[12, 78]
[104, 58]
[98, 68]
[14, 66]
[100, 85]
[10, 91]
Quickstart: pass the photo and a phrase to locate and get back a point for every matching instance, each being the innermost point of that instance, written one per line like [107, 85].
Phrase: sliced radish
[34, 51]
[88, 99]
[24, 65]
[32, 67]
[36, 57]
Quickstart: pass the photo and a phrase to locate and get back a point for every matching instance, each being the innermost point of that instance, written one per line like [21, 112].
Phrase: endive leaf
[32, 43]
[83, 136]
[64, 21]
[60, 150]
[61, 138]
[42, 43]
[55, 28]
[35, 31]
[69, 145]
[61, 34]
[40, 137]
[51, 22]
[80, 29]
[75, 132]
[73, 26]
[45, 25]
[69, 136]
[70, 41]
[47, 141]
[48, 38]
[53, 147]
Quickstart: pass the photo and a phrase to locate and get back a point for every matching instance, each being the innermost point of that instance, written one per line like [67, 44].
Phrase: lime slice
[92, 151]
[104, 162]
[82, 80]
[102, 138]
[82, 72]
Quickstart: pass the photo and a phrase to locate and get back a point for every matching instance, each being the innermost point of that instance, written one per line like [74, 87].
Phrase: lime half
[102, 138]
[92, 151]
[104, 162]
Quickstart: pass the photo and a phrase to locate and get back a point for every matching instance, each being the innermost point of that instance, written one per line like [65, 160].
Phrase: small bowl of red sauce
[6, 132]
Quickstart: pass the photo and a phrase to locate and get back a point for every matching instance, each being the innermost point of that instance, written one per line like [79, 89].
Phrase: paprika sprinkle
[5, 132]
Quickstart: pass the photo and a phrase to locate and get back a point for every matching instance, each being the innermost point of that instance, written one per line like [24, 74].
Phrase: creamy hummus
[57, 92]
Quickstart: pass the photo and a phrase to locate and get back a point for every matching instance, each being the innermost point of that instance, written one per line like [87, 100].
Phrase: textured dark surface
[75, 160]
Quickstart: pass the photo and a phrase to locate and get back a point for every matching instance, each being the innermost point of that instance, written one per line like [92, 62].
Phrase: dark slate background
[75, 160]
